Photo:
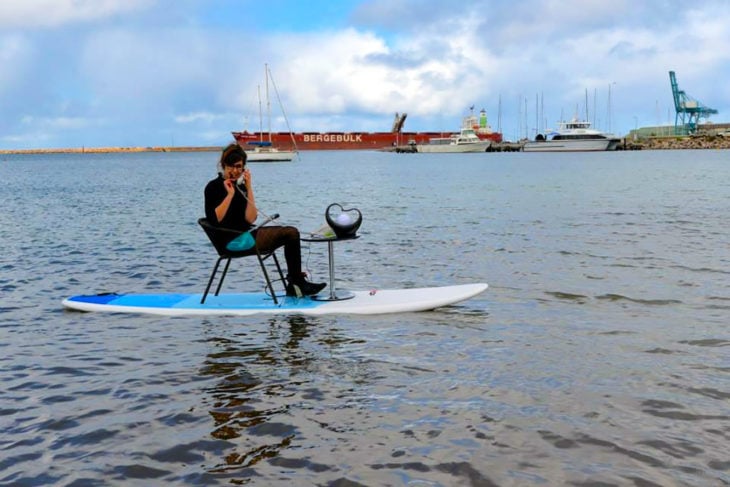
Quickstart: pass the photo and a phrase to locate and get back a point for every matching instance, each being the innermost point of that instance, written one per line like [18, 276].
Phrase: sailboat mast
[283, 112]
[261, 118]
[268, 103]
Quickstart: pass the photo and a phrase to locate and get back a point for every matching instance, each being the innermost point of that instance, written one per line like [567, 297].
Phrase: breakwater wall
[105, 150]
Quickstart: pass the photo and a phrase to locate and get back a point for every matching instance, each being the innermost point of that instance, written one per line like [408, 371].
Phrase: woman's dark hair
[232, 153]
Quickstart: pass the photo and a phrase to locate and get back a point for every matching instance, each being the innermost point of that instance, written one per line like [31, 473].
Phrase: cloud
[204, 117]
[55, 123]
[53, 13]
[357, 71]
[125, 66]
[15, 53]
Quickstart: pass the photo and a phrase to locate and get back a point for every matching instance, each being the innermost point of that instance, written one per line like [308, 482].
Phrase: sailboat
[262, 150]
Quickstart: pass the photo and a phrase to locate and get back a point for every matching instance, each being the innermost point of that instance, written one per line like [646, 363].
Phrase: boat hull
[579, 145]
[453, 148]
[272, 155]
[347, 140]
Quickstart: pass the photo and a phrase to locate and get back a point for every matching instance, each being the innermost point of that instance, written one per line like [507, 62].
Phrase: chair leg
[225, 271]
[266, 276]
[269, 284]
[210, 281]
[278, 268]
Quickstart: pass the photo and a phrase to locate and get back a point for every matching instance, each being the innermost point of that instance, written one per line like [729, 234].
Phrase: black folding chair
[219, 237]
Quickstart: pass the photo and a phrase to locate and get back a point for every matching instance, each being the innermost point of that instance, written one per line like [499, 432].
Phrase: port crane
[689, 110]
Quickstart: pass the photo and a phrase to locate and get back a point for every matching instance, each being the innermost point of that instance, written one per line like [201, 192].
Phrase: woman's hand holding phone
[244, 179]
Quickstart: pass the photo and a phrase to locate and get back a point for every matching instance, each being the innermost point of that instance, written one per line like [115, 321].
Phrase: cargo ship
[363, 140]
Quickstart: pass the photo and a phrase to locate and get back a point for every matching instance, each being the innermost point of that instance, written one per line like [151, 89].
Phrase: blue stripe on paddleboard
[192, 301]
[246, 301]
[150, 300]
[94, 298]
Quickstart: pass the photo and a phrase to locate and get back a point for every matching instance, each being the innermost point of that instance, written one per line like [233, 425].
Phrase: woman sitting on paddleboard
[232, 205]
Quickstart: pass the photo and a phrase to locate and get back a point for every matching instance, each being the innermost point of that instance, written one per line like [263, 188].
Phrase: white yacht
[465, 141]
[573, 136]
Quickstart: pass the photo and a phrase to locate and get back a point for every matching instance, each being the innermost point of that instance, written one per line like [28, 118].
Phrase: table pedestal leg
[333, 295]
[331, 250]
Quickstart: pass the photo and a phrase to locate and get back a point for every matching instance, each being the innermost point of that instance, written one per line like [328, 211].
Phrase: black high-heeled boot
[301, 287]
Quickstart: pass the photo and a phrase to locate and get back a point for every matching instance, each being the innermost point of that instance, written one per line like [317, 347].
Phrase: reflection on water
[598, 356]
[239, 399]
[256, 383]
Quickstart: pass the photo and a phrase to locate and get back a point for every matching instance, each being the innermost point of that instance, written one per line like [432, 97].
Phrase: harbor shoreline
[651, 143]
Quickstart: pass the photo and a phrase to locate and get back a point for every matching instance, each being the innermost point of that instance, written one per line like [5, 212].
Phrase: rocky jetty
[677, 142]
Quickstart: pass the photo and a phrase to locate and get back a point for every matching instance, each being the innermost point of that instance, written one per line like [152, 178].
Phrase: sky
[138, 73]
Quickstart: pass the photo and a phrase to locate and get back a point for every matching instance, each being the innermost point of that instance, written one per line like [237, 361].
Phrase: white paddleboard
[371, 302]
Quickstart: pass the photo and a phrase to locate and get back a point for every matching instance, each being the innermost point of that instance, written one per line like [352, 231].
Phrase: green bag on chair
[241, 243]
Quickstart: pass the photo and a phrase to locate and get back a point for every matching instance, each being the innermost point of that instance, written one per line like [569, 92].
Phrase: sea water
[600, 354]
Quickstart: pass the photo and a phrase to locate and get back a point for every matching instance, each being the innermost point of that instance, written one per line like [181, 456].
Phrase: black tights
[271, 238]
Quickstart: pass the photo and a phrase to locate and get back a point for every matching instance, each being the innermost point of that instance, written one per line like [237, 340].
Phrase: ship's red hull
[346, 140]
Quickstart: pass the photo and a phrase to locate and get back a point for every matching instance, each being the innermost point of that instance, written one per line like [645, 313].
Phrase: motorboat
[465, 141]
[573, 136]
